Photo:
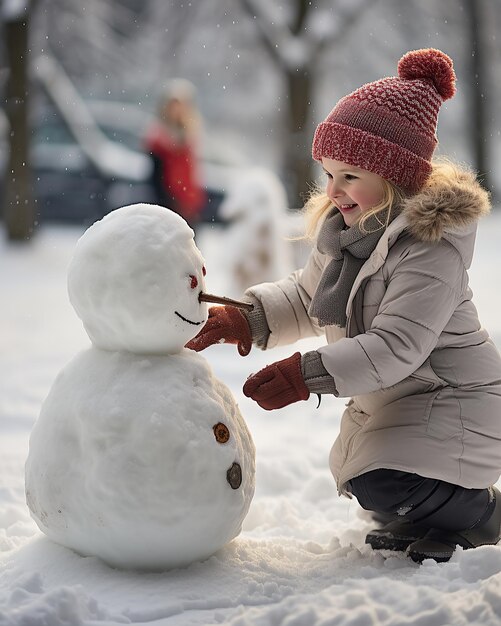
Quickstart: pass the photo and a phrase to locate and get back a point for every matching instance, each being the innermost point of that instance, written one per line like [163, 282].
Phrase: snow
[300, 559]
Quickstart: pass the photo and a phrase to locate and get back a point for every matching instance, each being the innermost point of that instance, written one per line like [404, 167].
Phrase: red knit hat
[389, 126]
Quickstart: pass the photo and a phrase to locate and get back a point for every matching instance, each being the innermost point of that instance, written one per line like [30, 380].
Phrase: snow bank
[301, 558]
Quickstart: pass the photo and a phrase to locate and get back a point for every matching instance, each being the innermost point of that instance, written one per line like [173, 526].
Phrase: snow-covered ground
[301, 558]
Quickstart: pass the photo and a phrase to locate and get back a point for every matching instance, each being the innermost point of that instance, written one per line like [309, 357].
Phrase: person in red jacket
[171, 141]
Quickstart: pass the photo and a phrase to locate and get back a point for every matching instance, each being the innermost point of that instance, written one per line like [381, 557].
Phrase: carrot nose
[207, 297]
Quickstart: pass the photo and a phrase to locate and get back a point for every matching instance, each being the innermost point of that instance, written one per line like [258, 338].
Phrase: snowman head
[135, 280]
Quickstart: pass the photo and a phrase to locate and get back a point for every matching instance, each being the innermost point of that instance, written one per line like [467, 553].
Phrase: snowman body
[140, 455]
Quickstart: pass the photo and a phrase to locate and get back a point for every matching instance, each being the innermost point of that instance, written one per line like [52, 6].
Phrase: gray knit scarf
[349, 249]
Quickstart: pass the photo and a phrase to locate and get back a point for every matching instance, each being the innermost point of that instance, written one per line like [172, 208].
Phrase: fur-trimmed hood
[448, 208]
[452, 204]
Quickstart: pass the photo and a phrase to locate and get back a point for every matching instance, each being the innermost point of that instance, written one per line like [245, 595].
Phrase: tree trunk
[19, 212]
[477, 116]
[299, 81]
[298, 162]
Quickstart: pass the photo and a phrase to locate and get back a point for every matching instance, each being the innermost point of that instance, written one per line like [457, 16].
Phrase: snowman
[140, 455]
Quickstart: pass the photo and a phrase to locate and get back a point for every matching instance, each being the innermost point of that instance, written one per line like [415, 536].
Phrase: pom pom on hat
[430, 64]
[389, 126]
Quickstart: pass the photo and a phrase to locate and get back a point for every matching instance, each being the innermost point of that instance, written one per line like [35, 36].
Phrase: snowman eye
[204, 271]
[194, 281]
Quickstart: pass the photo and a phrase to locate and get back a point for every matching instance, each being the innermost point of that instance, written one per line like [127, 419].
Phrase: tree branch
[278, 39]
[296, 47]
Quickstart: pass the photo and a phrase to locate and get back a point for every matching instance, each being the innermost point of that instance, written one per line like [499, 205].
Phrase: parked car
[70, 185]
[87, 156]
[72, 188]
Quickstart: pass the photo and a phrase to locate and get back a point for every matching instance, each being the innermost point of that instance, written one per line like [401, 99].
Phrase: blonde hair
[444, 171]
[318, 204]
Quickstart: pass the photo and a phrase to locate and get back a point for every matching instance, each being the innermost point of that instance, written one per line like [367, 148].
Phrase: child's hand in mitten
[226, 324]
[278, 384]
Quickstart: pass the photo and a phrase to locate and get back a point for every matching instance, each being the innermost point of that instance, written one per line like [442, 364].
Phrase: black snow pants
[424, 501]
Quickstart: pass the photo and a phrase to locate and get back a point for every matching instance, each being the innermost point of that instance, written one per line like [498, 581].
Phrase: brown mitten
[278, 384]
[226, 324]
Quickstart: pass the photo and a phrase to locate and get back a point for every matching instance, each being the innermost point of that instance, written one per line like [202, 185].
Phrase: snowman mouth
[187, 320]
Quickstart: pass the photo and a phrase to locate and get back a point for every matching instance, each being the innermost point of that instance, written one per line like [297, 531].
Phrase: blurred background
[81, 82]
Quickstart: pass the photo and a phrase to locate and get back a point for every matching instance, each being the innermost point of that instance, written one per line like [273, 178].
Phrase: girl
[387, 283]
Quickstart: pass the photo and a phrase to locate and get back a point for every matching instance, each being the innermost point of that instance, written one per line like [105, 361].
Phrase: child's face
[352, 190]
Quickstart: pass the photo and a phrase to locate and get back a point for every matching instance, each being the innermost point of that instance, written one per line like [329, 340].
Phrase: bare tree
[149, 40]
[108, 46]
[478, 113]
[296, 48]
[126, 49]
[18, 202]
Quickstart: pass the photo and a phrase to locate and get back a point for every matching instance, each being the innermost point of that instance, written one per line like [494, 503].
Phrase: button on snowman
[140, 455]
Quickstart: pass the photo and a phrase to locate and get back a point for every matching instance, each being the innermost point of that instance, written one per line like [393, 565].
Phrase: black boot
[440, 544]
[384, 494]
[381, 518]
[396, 535]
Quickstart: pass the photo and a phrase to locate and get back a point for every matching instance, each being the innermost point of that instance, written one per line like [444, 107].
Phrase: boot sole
[446, 555]
[397, 538]
[387, 543]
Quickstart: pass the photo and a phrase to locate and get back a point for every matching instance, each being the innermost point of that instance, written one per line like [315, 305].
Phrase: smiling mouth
[347, 207]
[187, 320]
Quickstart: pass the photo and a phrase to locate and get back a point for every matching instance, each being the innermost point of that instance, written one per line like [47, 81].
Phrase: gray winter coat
[423, 375]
